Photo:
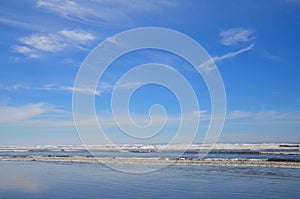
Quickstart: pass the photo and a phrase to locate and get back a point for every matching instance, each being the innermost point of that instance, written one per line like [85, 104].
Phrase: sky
[254, 44]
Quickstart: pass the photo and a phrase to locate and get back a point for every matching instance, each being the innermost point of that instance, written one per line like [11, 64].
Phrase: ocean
[268, 170]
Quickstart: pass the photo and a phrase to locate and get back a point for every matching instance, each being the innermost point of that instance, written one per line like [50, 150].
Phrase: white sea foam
[158, 147]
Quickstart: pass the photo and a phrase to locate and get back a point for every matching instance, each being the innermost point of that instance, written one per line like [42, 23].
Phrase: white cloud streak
[208, 65]
[101, 11]
[13, 87]
[103, 87]
[19, 23]
[31, 46]
[25, 112]
[232, 54]
[29, 52]
[230, 37]
[74, 89]
[65, 8]
[264, 117]
[51, 88]
[77, 36]
[44, 115]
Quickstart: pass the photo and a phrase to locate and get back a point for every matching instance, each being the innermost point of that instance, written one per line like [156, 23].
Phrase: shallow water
[92, 180]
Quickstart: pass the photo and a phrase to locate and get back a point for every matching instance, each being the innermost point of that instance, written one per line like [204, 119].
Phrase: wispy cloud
[265, 116]
[101, 11]
[13, 87]
[230, 37]
[232, 54]
[237, 118]
[103, 87]
[48, 87]
[66, 8]
[46, 115]
[25, 112]
[35, 115]
[113, 40]
[200, 112]
[19, 23]
[77, 35]
[32, 45]
[72, 89]
[44, 42]
[235, 36]
[29, 52]
[208, 65]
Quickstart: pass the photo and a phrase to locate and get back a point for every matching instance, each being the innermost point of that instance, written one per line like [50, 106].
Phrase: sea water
[33, 179]
[88, 180]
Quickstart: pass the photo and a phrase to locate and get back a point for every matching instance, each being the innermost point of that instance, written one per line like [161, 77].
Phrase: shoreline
[232, 162]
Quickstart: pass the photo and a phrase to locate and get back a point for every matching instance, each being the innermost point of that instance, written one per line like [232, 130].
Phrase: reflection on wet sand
[24, 180]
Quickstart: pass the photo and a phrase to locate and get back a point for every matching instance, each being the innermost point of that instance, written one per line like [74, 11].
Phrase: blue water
[93, 180]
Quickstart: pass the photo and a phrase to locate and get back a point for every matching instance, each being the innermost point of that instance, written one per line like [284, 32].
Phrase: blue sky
[255, 45]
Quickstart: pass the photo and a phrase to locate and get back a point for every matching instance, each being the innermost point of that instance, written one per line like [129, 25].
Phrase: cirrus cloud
[29, 52]
[235, 36]
[32, 45]
[102, 11]
[13, 113]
